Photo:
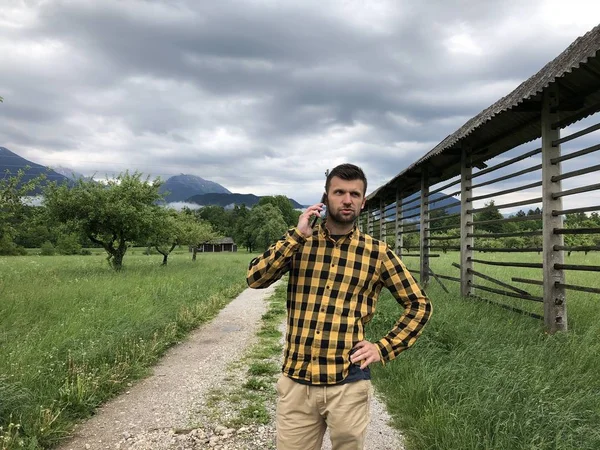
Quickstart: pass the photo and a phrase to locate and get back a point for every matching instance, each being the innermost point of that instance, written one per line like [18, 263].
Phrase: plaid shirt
[332, 293]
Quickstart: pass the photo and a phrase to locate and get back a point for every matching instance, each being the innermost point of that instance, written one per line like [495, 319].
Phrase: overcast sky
[263, 96]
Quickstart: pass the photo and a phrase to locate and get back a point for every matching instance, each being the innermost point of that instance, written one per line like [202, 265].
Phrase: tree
[289, 214]
[241, 234]
[180, 229]
[265, 225]
[490, 212]
[219, 219]
[111, 215]
[12, 208]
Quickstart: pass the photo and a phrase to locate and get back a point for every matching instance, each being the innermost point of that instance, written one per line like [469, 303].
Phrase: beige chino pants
[304, 413]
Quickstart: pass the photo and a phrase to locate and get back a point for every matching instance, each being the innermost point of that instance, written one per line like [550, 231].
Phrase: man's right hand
[306, 218]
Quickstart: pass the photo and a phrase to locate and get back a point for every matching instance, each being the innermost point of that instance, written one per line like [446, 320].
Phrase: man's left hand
[366, 352]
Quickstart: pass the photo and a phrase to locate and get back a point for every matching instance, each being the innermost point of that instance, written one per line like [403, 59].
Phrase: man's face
[345, 200]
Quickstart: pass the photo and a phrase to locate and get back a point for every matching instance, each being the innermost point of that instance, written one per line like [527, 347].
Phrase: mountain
[228, 199]
[181, 187]
[12, 162]
[436, 201]
[70, 173]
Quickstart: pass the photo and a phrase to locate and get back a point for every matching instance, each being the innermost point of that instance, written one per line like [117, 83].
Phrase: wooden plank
[438, 280]
[528, 281]
[509, 294]
[579, 190]
[584, 268]
[499, 283]
[509, 264]
[574, 287]
[510, 308]
[507, 191]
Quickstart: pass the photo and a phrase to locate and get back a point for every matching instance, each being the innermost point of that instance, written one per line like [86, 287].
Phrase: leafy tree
[112, 215]
[241, 234]
[12, 208]
[490, 212]
[289, 214]
[218, 218]
[180, 229]
[410, 239]
[265, 225]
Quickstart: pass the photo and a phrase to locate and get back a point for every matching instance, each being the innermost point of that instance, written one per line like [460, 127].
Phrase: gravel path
[155, 414]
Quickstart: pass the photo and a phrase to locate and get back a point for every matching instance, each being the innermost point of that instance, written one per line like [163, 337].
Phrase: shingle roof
[515, 118]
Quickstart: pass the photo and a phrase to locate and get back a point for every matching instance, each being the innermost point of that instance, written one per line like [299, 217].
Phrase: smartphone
[323, 213]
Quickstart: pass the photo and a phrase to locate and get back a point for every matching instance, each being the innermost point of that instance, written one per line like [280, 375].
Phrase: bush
[47, 249]
[9, 248]
[68, 244]
[85, 252]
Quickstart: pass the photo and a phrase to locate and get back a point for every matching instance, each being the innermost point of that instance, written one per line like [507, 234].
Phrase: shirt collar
[352, 234]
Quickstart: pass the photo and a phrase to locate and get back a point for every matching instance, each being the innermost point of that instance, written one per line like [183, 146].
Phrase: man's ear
[324, 198]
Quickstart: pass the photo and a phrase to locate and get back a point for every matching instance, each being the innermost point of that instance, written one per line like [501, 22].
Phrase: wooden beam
[466, 218]
[555, 307]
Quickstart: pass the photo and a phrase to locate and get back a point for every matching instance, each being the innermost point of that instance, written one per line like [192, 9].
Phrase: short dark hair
[346, 172]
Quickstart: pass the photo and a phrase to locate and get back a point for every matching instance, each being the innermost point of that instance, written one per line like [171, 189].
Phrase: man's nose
[347, 199]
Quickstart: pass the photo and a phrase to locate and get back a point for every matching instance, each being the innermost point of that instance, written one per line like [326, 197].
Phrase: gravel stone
[156, 413]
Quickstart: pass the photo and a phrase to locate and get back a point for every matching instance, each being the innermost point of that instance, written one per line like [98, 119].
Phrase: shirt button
[318, 332]
[328, 287]
[314, 358]
[322, 309]
[333, 265]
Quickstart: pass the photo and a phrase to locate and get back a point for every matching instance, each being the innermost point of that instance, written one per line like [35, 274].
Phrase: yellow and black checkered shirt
[332, 293]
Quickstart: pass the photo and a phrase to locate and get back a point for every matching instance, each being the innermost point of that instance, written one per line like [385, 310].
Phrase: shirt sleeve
[417, 307]
[266, 269]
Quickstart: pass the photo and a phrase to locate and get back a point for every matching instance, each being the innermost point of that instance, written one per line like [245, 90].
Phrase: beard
[342, 219]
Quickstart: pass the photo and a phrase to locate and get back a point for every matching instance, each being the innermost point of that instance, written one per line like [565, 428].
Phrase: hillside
[228, 199]
[12, 162]
[181, 187]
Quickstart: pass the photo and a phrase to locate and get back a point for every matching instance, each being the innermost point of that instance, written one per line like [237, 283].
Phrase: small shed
[225, 244]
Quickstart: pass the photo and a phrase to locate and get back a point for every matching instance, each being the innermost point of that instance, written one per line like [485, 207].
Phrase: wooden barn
[225, 244]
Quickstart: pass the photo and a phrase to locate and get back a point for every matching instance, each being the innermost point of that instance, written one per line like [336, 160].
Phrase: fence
[510, 156]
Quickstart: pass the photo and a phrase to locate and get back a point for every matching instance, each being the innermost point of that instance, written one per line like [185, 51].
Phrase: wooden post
[424, 232]
[369, 221]
[555, 305]
[466, 243]
[382, 223]
[398, 228]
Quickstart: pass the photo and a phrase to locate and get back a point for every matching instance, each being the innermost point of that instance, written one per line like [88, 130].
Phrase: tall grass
[73, 332]
[481, 377]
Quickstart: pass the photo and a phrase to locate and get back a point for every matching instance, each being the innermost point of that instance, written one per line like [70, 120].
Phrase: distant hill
[434, 202]
[70, 173]
[228, 199]
[182, 187]
[12, 162]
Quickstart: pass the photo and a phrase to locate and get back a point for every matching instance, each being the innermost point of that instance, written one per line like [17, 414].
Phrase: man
[336, 274]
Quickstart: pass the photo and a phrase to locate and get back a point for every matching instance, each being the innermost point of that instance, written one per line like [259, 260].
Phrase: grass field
[73, 332]
[481, 377]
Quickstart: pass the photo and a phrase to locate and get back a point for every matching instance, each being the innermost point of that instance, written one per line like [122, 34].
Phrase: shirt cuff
[295, 235]
[381, 359]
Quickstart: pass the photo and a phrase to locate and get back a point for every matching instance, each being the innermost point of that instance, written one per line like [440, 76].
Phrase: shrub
[68, 244]
[47, 249]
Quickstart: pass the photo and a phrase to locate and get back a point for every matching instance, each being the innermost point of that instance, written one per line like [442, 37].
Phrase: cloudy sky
[262, 96]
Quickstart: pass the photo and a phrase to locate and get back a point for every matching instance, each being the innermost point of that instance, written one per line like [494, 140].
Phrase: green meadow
[482, 377]
[73, 332]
